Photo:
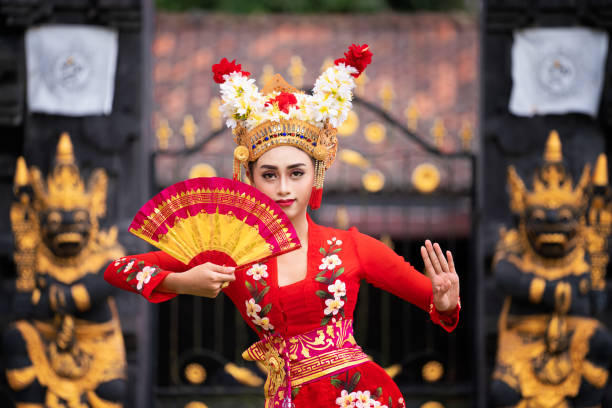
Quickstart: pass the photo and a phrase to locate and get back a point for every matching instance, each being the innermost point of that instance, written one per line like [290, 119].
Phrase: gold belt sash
[305, 358]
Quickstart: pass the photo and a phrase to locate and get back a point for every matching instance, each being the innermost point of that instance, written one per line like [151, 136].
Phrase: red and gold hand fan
[213, 219]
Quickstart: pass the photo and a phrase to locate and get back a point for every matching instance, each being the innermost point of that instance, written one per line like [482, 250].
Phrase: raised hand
[205, 280]
[444, 279]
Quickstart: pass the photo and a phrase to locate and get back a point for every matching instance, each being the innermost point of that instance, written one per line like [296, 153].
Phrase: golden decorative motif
[202, 170]
[320, 153]
[196, 404]
[426, 178]
[28, 405]
[552, 153]
[243, 375]
[35, 296]
[600, 174]
[466, 134]
[375, 132]
[195, 373]
[373, 181]
[241, 153]
[432, 404]
[101, 343]
[552, 187]
[80, 295]
[412, 115]
[350, 125]
[387, 95]
[20, 378]
[563, 297]
[438, 132]
[342, 217]
[266, 74]
[189, 130]
[432, 371]
[353, 158]
[536, 290]
[394, 370]
[327, 63]
[523, 340]
[163, 134]
[214, 114]
[296, 71]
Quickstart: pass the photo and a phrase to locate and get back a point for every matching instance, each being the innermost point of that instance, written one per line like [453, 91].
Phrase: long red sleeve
[383, 268]
[143, 273]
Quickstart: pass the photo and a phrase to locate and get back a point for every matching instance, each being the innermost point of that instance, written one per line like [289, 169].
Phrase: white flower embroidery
[258, 271]
[252, 308]
[333, 306]
[263, 322]
[144, 276]
[330, 262]
[338, 289]
[346, 400]
[129, 266]
[118, 261]
[362, 399]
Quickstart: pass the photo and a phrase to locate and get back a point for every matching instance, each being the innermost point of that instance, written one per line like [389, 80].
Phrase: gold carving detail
[80, 295]
[433, 371]
[536, 290]
[195, 373]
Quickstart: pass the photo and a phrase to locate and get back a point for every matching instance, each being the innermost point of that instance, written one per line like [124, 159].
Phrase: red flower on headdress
[285, 100]
[224, 67]
[358, 57]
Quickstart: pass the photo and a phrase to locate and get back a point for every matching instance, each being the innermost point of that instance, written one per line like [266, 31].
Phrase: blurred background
[445, 107]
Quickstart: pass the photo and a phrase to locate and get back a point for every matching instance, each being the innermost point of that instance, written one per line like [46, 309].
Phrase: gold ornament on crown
[552, 185]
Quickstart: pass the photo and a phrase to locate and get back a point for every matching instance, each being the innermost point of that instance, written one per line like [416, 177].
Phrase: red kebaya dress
[320, 364]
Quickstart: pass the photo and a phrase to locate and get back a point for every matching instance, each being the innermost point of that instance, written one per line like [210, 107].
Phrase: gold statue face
[64, 232]
[551, 213]
[552, 232]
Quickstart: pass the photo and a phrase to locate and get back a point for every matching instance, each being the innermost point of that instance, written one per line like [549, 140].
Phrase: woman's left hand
[444, 279]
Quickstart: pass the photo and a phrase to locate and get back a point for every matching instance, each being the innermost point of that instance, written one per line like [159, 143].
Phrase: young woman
[301, 303]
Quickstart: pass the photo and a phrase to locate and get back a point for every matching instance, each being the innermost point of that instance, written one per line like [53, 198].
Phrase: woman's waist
[310, 355]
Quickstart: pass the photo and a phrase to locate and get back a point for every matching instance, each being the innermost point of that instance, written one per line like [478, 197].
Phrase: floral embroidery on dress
[349, 398]
[258, 289]
[335, 296]
[141, 272]
[258, 271]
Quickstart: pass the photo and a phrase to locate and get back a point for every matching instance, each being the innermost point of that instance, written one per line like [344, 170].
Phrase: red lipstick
[284, 203]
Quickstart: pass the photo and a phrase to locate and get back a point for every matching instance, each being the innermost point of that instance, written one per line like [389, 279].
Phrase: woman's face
[285, 174]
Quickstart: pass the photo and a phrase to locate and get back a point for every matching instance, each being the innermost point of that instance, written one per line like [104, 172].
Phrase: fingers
[222, 277]
[441, 257]
[433, 257]
[429, 269]
[220, 268]
[451, 262]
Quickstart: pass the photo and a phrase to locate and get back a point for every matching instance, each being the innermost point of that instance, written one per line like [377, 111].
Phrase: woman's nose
[283, 186]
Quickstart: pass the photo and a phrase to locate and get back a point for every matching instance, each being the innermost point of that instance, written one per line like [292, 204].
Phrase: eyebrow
[271, 167]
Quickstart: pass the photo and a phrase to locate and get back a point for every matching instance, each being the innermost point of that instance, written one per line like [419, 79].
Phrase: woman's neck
[300, 223]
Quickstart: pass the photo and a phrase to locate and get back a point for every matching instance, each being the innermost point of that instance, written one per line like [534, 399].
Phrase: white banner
[71, 69]
[557, 70]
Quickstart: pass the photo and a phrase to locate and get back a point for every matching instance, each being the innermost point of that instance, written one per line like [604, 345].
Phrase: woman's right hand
[205, 280]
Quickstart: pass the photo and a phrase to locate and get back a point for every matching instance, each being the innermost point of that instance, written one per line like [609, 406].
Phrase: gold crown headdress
[552, 184]
[282, 115]
[64, 188]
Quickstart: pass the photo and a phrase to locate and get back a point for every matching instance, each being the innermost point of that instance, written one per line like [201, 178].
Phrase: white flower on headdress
[258, 271]
[144, 276]
[338, 289]
[330, 262]
[252, 308]
[333, 306]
